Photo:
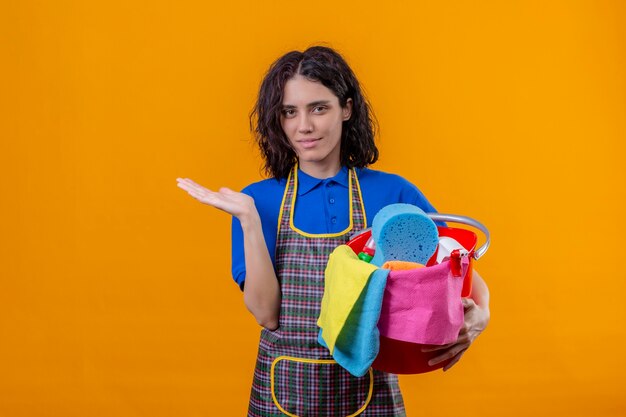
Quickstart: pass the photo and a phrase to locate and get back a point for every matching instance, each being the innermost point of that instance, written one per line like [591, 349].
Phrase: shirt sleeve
[268, 208]
[238, 267]
[412, 195]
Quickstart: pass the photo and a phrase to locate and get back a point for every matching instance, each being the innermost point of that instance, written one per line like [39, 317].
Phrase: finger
[463, 329]
[437, 347]
[195, 186]
[186, 185]
[468, 304]
[462, 339]
[193, 189]
[447, 355]
[184, 179]
[207, 197]
[453, 361]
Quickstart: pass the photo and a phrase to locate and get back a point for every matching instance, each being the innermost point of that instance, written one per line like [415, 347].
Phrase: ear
[347, 110]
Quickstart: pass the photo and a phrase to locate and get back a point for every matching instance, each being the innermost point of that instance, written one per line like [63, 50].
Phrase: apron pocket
[318, 387]
[270, 336]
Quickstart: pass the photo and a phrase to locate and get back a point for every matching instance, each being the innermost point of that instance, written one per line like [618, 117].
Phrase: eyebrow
[312, 104]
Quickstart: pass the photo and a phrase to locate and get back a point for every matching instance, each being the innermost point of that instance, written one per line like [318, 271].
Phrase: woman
[315, 131]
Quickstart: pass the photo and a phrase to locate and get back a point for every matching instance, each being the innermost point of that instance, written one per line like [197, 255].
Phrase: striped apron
[294, 374]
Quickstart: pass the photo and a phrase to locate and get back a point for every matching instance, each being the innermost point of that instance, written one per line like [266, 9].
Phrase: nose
[305, 124]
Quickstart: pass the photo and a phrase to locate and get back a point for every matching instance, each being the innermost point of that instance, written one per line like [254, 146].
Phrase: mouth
[308, 142]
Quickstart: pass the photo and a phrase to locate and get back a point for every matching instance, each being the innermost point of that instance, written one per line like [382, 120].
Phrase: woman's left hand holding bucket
[475, 321]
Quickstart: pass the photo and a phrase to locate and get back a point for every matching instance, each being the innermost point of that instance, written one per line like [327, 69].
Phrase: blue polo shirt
[322, 206]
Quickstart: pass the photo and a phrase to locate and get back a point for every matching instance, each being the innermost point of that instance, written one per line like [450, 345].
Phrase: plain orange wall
[115, 290]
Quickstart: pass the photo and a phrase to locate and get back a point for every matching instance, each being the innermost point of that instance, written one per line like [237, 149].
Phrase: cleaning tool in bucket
[466, 238]
[404, 328]
[353, 292]
[403, 232]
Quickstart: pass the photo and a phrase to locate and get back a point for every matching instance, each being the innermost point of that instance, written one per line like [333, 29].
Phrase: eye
[320, 108]
[289, 112]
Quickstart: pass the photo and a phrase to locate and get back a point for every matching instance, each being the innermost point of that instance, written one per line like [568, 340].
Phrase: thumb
[468, 303]
[226, 190]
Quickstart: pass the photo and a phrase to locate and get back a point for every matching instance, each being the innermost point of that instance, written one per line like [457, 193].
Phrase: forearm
[261, 288]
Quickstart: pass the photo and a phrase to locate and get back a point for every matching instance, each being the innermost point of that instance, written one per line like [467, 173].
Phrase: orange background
[115, 291]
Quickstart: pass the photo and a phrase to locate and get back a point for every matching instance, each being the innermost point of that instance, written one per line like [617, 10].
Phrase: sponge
[403, 232]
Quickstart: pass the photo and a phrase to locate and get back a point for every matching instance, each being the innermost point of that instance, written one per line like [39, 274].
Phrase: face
[312, 119]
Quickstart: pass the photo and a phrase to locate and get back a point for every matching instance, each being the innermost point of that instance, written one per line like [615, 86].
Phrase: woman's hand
[476, 319]
[261, 292]
[237, 204]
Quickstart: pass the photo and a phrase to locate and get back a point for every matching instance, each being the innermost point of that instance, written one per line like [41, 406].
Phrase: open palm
[232, 202]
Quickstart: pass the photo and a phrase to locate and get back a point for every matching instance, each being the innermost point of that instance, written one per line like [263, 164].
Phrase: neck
[320, 171]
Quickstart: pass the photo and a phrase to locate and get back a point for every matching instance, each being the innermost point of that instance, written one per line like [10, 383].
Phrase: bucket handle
[439, 217]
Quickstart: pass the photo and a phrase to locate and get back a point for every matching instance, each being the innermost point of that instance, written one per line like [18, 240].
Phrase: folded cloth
[401, 265]
[423, 305]
[346, 276]
[358, 342]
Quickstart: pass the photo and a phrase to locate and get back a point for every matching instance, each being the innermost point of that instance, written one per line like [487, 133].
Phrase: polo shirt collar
[306, 182]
